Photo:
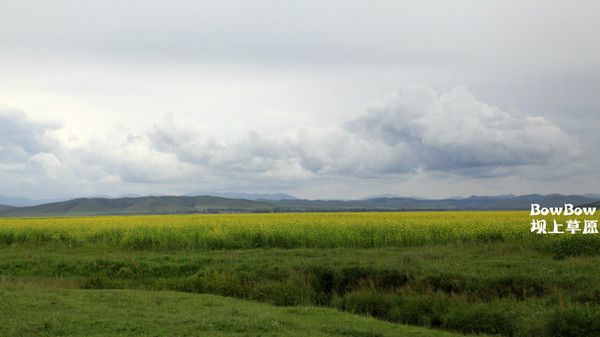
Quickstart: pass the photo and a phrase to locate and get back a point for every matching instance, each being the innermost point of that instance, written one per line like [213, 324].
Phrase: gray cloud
[31, 156]
[411, 131]
[292, 72]
[21, 137]
[191, 144]
[455, 131]
[333, 32]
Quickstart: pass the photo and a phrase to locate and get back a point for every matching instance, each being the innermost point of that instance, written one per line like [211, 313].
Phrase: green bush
[491, 318]
[366, 302]
[576, 321]
[279, 293]
[424, 310]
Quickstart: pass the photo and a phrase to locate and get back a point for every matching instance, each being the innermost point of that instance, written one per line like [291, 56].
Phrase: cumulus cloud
[131, 158]
[338, 151]
[47, 164]
[31, 155]
[455, 131]
[22, 137]
[194, 145]
[29, 148]
[190, 143]
[413, 130]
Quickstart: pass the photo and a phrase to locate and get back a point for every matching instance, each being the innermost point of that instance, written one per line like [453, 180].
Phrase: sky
[336, 99]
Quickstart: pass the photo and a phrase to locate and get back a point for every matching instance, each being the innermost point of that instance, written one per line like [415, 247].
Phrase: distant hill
[5, 207]
[505, 202]
[24, 202]
[12, 201]
[212, 204]
[594, 204]
[524, 201]
[254, 196]
[141, 205]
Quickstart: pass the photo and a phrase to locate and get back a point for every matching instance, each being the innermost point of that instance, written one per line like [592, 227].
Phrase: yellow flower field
[284, 230]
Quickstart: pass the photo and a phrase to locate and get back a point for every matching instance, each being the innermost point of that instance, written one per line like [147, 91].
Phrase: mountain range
[19, 202]
[217, 204]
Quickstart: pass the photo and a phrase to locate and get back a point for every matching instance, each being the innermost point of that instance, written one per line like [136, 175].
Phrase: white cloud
[292, 73]
[455, 131]
[48, 164]
[21, 137]
[414, 130]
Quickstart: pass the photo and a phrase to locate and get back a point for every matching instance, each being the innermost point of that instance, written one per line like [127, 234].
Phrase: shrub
[576, 321]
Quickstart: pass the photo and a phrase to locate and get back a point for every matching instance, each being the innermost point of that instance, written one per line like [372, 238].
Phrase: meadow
[461, 272]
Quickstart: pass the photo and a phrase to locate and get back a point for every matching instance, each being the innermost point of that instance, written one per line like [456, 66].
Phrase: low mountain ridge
[21, 202]
[140, 205]
[5, 207]
[213, 204]
[254, 196]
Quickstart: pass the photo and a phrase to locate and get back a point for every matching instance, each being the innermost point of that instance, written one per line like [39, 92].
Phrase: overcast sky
[319, 99]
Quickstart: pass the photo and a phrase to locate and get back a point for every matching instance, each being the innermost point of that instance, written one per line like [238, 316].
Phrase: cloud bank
[414, 129]
[456, 132]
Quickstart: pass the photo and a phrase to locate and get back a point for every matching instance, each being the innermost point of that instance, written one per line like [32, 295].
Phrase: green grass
[30, 310]
[466, 272]
[493, 288]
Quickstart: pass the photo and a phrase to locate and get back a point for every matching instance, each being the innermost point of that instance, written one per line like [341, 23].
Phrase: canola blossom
[285, 230]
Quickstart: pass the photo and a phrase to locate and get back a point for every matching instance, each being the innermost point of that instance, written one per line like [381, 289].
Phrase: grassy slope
[493, 288]
[459, 271]
[33, 311]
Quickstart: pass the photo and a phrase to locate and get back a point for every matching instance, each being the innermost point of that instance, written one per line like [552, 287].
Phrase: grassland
[467, 272]
[114, 313]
